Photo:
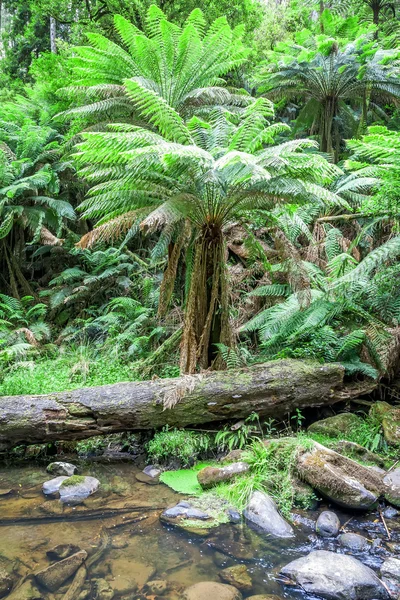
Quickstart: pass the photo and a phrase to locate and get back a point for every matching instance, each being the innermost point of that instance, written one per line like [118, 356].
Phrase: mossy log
[271, 389]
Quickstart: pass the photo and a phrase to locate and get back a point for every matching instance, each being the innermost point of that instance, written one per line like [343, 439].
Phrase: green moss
[74, 480]
[184, 481]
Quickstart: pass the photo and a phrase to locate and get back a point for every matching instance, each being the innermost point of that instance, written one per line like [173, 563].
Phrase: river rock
[238, 576]
[390, 512]
[359, 452]
[62, 468]
[27, 591]
[51, 488]
[264, 597]
[6, 582]
[353, 542]
[234, 516]
[75, 490]
[335, 577]
[233, 456]
[210, 476]
[209, 590]
[104, 590]
[129, 575]
[190, 519]
[53, 577]
[157, 586]
[391, 482]
[62, 551]
[327, 524]
[337, 425]
[262, 512]
[389, 417]
[390, 573]
[341, 479]
[152, 471]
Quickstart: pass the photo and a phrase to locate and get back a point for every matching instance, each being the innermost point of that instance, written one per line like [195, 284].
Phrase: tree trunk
[271, 389]
[53, 33]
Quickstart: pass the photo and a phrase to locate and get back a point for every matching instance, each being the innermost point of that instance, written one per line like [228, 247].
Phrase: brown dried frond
[110, 231]
[167, 285]
[48, 239]
[29, 336]
[315, 249]
[297, 275]
[176, 392]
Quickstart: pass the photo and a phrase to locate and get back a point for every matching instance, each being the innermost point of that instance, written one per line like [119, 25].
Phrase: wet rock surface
[53, 576]
[262, 512]
[335, 577]
[328, 524]
[210, 476]
[354, 542]
[391, 482]
[208, 590]
[389, 417]
[390, 573]
[238, 576]
[62, 468]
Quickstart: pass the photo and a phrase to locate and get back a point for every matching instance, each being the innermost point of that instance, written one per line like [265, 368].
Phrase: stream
[120, 523]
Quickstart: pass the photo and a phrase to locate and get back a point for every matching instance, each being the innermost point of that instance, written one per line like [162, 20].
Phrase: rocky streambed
[94, 530]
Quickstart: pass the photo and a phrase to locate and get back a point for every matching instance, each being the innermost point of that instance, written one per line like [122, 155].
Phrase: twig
[393, 465]
[384, 523]
[344, 525]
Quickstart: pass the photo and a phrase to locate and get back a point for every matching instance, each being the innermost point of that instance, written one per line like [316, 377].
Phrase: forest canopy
[188, 186]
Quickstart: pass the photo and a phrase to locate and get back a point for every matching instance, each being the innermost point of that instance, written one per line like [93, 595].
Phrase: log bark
[271, 389]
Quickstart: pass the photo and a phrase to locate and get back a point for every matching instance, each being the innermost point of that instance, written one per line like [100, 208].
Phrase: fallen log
[270, 389]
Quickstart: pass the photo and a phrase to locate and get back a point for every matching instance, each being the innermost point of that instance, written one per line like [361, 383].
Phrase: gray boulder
[353, 542]
[53, 577]
[342, 480]
[327, 524]
[341, 424]
[262, 512]
[152, 471]
[335, 577]
[391, 481]
[390, 573]
[75, 490]
[51, 488]
[209, 590]
[62, 468]
[211, 476]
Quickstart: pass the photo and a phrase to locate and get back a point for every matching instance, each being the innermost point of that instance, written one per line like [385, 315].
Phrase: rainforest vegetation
[195, 186]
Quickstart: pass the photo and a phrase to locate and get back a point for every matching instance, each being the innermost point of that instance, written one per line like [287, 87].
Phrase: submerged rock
[157, 586]
[209, 590]
[337, 425]
[129, 575]
[27, 591]
[327, 524]
[6, 581]
[62, 551]
[391, 481]
[62, 468]
[238, 576]
[262, 512]
[210, 476]
[53, 577]
[341, 479]
[354, 542]
[104, 590]
[335, 577]
[51, 488]
[389, 417]
[185, 516]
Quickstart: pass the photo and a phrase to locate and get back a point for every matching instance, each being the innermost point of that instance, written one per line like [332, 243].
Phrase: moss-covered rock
[359, 453]
[342, 480]
[336, 426]
[211, 476]
[389, 417]
[238, 576]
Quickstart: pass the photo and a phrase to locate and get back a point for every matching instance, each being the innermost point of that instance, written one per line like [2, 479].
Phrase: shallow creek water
[123, 516]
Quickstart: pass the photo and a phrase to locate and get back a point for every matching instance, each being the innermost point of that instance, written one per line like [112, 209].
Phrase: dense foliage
[156, 207]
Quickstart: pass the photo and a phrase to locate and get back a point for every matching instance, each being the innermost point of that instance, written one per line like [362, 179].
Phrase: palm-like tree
[30, 209]
[183, 65]
[332, 87]
[221, 173]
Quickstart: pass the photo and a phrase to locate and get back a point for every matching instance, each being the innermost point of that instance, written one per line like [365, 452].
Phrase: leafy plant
[178, 445]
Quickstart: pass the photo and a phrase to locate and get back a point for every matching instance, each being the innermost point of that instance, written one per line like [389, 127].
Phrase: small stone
[143, 478]
[62, 468]
[221, 560]
[234, 516]
[264, 597]
[62, 551]
[152, 471]
[195, 513]
[157, 587]
[175, 511]
[183, 504]
[353, 542]
[238, 576]
[209, 590]
[327, 524]
[261, 511]
[104, 590]
[53, 577]
[390, 513]
[211, 476]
